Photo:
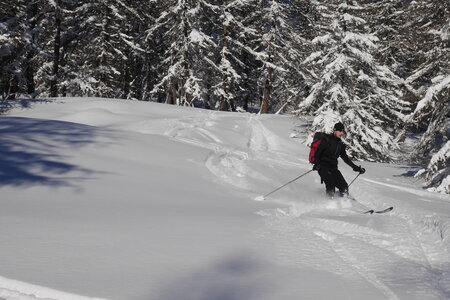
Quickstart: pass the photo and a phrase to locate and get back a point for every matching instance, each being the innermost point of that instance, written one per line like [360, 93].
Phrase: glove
[359, 169]
[316, 167]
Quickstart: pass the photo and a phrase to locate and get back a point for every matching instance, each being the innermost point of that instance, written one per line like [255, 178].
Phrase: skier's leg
[341, 184]
[329, 180]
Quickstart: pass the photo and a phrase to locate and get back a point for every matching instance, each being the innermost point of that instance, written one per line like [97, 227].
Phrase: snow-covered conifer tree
[47, 35]
[398, 44]
[431, 82]
[28, 54]
[53, 46]
[9, 45]
[293, 86]
[281, 48]
[352, 86]
[238, 55]
[434, 110]
[230, 40]
[183, 44]
[387, 19]
[438, 170]
[106, 46]
[17, 48]
[433, 113]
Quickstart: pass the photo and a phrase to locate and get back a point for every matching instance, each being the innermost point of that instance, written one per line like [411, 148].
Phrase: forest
[382, 67]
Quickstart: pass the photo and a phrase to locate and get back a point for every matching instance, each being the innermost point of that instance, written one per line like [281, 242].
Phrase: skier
[326, 161]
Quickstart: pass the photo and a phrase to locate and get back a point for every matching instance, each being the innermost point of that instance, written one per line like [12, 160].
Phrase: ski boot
[343, 193]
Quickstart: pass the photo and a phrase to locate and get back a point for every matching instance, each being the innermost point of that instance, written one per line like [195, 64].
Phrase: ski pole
[354, 179]
[261, 198]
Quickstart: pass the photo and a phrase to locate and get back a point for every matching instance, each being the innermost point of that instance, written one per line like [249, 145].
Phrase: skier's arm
[347, 160]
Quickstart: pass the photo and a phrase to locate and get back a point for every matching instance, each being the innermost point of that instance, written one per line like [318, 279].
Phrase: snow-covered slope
[131, 200]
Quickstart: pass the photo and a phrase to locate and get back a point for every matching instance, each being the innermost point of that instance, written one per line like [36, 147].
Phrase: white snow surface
[115, 199]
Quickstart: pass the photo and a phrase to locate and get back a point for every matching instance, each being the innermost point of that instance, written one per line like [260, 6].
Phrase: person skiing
[326, 161]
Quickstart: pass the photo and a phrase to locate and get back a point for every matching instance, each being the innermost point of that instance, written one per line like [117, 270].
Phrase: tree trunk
[56, 51]
[267, 89]
[32, 11]
[29, 75]
[224, 104]
[126, 84]
[13, 87]
[171, 95]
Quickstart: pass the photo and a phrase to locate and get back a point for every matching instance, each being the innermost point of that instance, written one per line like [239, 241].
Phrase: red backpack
[318, 138]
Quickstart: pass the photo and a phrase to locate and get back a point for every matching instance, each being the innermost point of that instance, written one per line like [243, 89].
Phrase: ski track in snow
[229, 165]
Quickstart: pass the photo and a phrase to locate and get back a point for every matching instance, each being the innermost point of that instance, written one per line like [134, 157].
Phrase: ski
[371, 211]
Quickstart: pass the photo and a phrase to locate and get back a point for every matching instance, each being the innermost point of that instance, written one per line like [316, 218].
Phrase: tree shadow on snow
[408, 171]
[7, 105]
[235, 278]
[30, 151]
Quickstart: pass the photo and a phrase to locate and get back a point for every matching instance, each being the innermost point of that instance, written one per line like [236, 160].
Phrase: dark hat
[338, 127]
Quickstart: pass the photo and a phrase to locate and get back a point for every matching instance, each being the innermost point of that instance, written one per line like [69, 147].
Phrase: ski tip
[370, 212]
[385, 210]
[259, 198]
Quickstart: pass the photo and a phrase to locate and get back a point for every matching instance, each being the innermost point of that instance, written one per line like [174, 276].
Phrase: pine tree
[108, 49]
[352, 86]
[434, 146]
[431, 81]
[236, 84]
[12, 49]
[281, 46]
[68, 47]
[182, 43]
[389, 21]
[294, 85]
[438, 170]
[23, 53]
[52, 44]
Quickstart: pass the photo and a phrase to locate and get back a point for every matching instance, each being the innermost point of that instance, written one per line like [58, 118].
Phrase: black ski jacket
[328, 152]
